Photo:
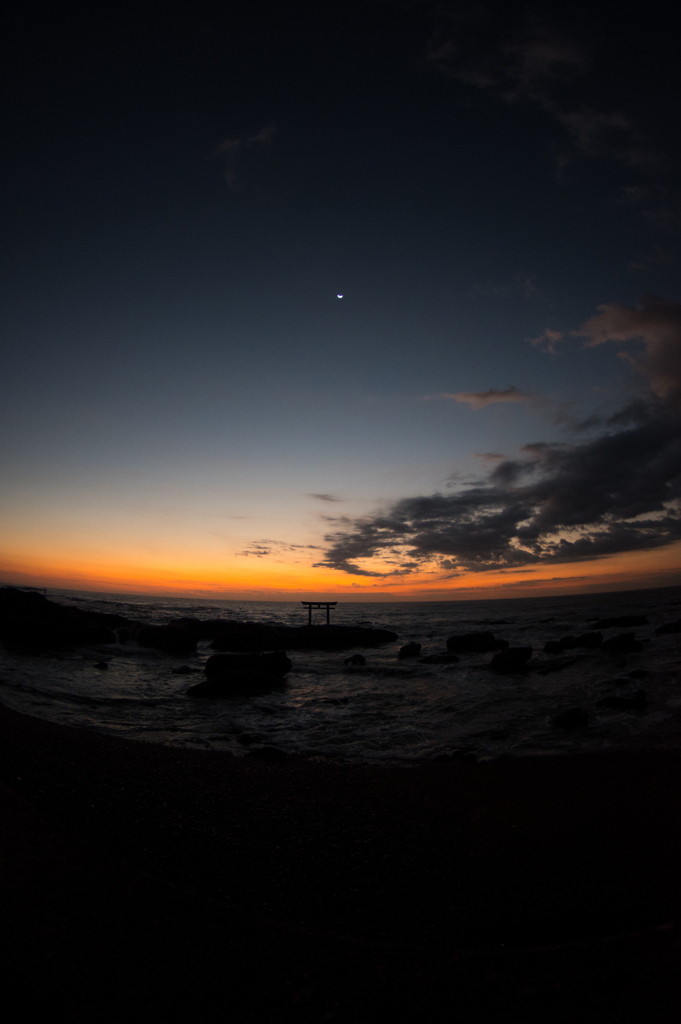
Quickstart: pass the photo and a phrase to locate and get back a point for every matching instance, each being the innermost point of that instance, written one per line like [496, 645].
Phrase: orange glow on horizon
[265, 579]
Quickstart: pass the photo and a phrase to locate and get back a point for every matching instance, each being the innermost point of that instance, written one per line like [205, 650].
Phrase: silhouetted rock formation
[166, 638]
[567, 643]
[669, 627]
[232, 684]
[252, 636]
[476, 643]
[623, 643]
[634, 703]
[513, 659]
[29, 621]
[411, 650]
[275, 663]
[621, 620]
[573, 718]
[355, 659]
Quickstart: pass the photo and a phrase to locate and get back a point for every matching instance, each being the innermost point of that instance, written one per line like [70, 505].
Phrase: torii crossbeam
[319, 604]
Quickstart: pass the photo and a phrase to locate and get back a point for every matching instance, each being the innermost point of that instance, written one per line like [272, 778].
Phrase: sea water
[389, 711]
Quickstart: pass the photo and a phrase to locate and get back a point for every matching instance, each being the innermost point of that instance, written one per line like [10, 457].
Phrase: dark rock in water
[513, 659]
[669, 627]
[235, 684]
[267, 754]
[101, 664]
[276, 663]
[638, 673]
[98, 635]
[543, 667]
[543, 622]
[634, 703]
[411, 650]
[247, 738]
[622, 621]
[476, 643]
[574, 718]
[355, 659]
[183, 670]
[568, 643]
[256, 637]
[439, 659]
[623, 643]
[123, 634]
[29, 621]
[166, 638]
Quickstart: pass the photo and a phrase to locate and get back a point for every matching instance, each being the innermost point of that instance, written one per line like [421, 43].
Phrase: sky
[370, 302]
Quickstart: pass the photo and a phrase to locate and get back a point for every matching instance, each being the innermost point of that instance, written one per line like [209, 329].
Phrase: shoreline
[530, 857]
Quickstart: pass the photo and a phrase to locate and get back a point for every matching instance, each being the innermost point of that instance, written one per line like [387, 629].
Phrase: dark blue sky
[184, 198]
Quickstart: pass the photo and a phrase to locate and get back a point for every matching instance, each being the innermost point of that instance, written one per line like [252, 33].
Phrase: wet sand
[152, 882]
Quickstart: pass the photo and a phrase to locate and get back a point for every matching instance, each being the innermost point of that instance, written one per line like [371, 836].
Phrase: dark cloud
[521, 57]
[263, 548]
[232, 149]
[324, 497]
[557, 502]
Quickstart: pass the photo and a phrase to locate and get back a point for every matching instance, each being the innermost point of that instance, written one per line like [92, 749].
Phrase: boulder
[355, 659]
[513, 659]
[623, 643]
[439, 659]
[267, 754]
[98, 635]
[476, 643]
[166, 638]
[123, 634]
[249, 637]
[553, 647]
[573, 718]
[411, 650]
[568, 643]
[101, 664]
[622, 621]
[276, 663]
[235, 684]
[669, 627]
[634, 703]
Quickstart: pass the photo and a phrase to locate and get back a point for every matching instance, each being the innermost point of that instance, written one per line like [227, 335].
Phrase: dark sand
[144, 882]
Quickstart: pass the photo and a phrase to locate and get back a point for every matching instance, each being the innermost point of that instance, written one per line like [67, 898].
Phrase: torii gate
[319, 604]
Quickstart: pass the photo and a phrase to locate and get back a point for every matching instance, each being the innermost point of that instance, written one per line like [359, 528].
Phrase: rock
[235, 684]
[355, 659]
[101, 664]
[568, 643]
[439, 659]
[98, 635]
[267, 754]
[183, 670]
[513, 659]
[550, 665]
[411, 650]
[638, 673]
[669, 627]
[573, 718]
[476, 643]
[622, 621]
[623, 643]
[634, 703]
[166, 638]
[123, 634]
[276, 663]
[249, 637]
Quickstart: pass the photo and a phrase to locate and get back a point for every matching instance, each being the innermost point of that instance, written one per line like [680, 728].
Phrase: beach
[141, 879]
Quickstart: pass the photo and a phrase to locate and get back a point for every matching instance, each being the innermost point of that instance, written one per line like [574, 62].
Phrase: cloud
[232, 149]
[479, 399]
[489, 456]
[557, 502]
[547, 340]
[657, 323]
[520, 59]
[263, 548]
[323, 497]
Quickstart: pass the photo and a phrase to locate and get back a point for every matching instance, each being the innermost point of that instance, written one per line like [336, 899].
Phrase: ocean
[389, 711]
